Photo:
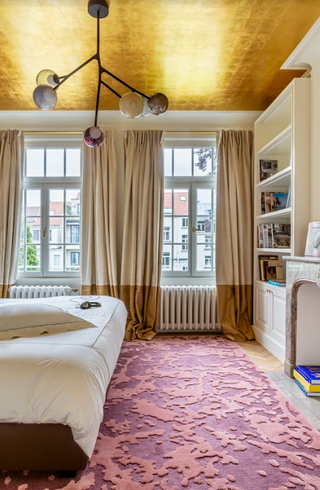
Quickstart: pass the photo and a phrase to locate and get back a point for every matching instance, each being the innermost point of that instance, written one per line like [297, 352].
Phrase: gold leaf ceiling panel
[203, 54]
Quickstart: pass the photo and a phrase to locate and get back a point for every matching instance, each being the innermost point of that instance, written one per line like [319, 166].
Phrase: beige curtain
[11, 175]
[98, 236]
[234, 234]
[142, 240]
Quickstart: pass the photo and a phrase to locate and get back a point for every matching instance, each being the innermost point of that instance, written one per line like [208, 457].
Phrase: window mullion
[45, 224]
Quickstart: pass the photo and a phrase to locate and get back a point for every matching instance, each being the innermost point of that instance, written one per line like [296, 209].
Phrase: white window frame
[45, 183]
[191, 183]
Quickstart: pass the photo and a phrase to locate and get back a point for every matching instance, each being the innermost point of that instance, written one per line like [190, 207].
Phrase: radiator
[187, 308]
[41, 291]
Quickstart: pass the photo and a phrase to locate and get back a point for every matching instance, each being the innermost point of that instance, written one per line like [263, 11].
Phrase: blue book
[310, 373]
[307, 393]
[277, 283]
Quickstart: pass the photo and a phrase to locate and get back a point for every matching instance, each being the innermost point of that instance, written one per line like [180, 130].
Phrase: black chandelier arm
[111, 89]
[65, 77]
[103, 70]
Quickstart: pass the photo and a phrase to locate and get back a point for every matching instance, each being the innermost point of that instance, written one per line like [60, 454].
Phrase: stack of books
[308, 379]
[273, 235]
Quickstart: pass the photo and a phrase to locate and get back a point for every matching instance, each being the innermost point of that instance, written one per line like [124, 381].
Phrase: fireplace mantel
[300, 270]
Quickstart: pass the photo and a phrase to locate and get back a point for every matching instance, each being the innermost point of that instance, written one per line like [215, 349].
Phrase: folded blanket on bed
[30, 320]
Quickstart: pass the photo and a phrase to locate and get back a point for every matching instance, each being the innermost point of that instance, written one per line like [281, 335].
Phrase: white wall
[308, 327]
[78, 120]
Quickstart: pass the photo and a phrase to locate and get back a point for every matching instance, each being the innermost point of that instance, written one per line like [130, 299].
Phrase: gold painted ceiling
[204, 54]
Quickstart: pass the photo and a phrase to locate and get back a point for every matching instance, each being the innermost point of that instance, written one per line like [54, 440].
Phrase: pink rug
[193, 412]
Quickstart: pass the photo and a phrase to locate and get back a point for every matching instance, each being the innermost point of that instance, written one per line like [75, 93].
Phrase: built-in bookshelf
[282, 142]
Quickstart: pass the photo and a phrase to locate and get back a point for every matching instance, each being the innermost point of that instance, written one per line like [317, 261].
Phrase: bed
[53, 387]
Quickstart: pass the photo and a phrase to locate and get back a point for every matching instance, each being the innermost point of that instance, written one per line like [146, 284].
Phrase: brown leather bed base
[39, 447]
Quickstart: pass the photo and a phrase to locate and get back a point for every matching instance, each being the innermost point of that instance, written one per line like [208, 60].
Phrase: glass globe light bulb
[131, 105]
[146, 111]
[45, 97]
[158, 103]
[94, 136]
[47, 77]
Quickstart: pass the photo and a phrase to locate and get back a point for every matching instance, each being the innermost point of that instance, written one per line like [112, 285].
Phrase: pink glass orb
[158, 103]
[94, 136]
[45, 97]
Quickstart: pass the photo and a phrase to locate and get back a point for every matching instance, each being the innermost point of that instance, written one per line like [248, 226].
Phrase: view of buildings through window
[50, 227]
[189, 211]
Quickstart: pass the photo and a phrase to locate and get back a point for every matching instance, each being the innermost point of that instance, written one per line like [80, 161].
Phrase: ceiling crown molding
[295, 60]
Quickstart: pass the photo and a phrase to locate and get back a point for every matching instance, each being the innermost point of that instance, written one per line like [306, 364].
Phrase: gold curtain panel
[204, 54]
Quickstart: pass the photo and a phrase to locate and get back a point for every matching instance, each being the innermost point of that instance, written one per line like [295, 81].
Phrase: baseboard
[269, 343]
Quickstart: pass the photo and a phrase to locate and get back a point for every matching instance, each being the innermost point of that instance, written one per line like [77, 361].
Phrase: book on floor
[307, 393]
[307, 386]
[310, 373]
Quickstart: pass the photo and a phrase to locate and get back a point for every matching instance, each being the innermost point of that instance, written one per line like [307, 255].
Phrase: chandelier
[132, 104]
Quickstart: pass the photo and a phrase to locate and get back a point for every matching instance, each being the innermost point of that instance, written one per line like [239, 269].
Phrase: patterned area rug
[196, 413]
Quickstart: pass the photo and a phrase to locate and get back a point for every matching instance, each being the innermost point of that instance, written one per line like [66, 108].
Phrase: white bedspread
[63, 378]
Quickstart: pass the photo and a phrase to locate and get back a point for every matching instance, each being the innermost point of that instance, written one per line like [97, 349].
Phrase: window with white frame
[50, 224]
[189, 206]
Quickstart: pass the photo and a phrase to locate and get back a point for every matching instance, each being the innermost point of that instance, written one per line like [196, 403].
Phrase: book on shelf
[307, 386]
[274, 270]
[310, 373]
[273, 201]
[274, 235]
[268, 168]
[306, 392]
[313, 240]
[263, 263]
[277, 283]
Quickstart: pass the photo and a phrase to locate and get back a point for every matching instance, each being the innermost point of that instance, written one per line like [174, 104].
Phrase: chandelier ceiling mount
[132, 104]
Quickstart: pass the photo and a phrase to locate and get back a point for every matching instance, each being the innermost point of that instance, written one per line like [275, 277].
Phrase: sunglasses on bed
[89, 304]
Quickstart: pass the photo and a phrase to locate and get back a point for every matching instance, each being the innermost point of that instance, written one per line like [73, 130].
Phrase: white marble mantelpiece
[300, 270]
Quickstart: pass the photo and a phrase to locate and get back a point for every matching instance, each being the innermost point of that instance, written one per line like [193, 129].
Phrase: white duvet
[63, 378]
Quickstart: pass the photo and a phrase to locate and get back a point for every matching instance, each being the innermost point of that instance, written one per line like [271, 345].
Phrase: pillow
[30, 320]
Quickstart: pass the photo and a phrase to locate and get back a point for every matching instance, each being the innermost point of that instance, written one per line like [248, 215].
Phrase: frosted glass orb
[158, 103]
[146, 111]
[45, 97]
[131, 105]
[94, 136]
[47, 77]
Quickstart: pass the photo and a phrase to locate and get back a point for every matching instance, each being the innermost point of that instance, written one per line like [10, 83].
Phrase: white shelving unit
[281, 133]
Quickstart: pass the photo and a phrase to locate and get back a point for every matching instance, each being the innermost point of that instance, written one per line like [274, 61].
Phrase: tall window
[50, 227]
[189, 207]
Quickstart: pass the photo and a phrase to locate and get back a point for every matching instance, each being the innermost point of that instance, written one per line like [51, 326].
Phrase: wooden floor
[260, 356]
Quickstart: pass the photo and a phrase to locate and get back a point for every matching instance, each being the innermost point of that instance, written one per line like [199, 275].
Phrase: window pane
[73, 202]
[72, 230]
[33, 228]
[204, 224]
[56, 230]
[203, 238]
[204, 205]
[182, 158]
[166, 258]
[204, 258]
[33, 202]
[73, 162]
[72, 258]
[168, 162]
[202, 161]
[180, 258]
[168, 201]
[21, 259]
[167, 229]
[55, 162]
[180, 202]
[56, 257]
[32, 258]
[181, 230]
[35, 162]
[56, 202]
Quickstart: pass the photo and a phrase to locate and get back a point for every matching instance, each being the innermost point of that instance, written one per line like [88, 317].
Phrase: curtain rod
[80, 132]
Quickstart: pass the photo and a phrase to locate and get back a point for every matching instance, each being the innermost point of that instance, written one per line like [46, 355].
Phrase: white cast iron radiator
[41, 291]
[188, 308]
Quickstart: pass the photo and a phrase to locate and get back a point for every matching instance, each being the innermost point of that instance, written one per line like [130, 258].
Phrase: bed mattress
[62, 378]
